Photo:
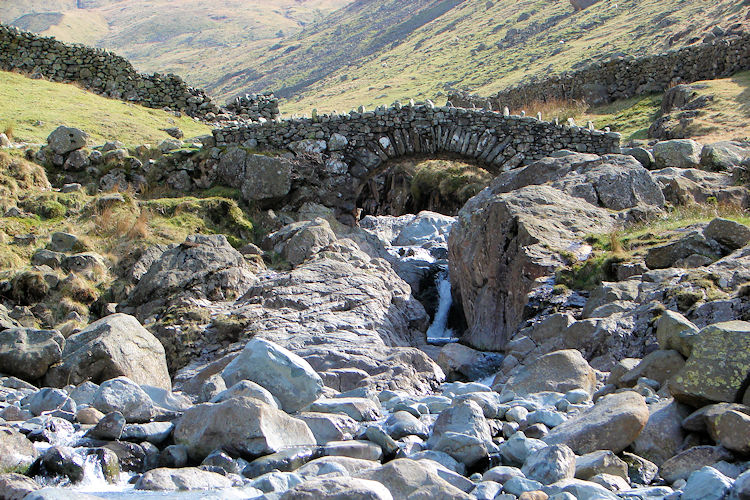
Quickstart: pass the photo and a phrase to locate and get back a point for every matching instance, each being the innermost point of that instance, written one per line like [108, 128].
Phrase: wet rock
[173, 456]
[462, 362]
[242, 426]
[109, 428]
[717, 367]
[114, 346]
[288, 377]
[16, 486]
[186, 479]
[613, 423]
[28, 353]
[62, 461]
[17, 453]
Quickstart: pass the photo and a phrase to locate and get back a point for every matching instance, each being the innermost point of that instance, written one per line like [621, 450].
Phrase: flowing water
[439, 333]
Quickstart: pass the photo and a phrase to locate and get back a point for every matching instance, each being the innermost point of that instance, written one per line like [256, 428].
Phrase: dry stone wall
[110, 75]
[625, 77]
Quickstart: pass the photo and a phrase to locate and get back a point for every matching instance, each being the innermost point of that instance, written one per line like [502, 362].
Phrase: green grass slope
[34, 108]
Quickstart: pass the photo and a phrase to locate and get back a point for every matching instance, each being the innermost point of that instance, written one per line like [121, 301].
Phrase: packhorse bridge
[353, 148]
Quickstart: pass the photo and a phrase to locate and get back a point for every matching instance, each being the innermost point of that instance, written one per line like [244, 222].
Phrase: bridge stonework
[355, 147]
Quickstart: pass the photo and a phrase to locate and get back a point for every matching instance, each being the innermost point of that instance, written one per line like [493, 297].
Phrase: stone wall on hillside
[110, 75]
[625, 77]
[255, 107]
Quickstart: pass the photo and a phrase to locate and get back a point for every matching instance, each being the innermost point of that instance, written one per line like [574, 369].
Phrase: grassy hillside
[192, 38]
[33, 108]
[486, 46]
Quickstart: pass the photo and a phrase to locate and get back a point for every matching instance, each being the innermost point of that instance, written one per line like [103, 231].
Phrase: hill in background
[338, 54]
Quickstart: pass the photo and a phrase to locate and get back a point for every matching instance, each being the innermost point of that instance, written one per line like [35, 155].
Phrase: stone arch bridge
[354, 147]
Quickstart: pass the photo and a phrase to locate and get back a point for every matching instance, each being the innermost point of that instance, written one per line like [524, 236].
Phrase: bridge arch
[354, 147]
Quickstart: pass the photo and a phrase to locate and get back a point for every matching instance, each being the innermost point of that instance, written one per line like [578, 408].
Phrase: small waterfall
[439, 333]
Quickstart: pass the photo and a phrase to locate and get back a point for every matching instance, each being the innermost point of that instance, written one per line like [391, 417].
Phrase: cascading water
[439, 333]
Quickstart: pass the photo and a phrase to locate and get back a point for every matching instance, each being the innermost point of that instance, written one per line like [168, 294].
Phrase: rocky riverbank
[600, 307]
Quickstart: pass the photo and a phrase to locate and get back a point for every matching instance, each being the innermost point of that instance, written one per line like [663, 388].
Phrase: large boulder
[559, 371]
[406, 478]
[462, 432]
[688, 461]
[724, 155]
[116, 345]
[718, 366]
[16, 486]
[679, 153]
[501, 244]
[683, 186]
[613, 423]
[64, 139]
[288, 377]
[241, 426]
[27, 353]
[125, 396]
[203, 267]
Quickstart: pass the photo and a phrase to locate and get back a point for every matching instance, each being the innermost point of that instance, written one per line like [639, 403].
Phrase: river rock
[675, 331]
[406, 478]
[731, 429]
[16, 486]
[328, 427]
[360, 409]
[114, 346]
[659, 365]
[401, 424]
[49, 400]
[559, 371]
[462, 432]
[613, 423]
[248, 389]
[109, 427]
[241, 426]
[600, 462]
[550, 464]
[28, 353]
[717, 367]
[663, 436]
[706, 484]
[288, 377]
[125, 396]
[343, 488]
[686, 462]
[462, 362]
[17, 453]
[188, 478]
[298, 241]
